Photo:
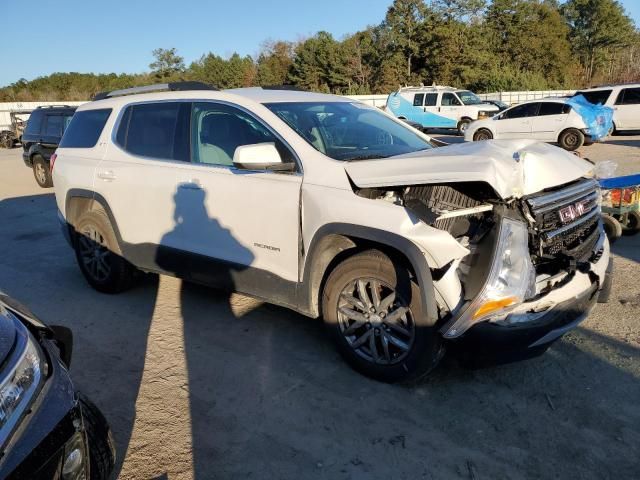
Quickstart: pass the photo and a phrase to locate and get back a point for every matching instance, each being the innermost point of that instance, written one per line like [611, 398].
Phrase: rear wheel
[41, 172]
[102, 455]
[612, 228]
[373, 311]
[482, 134]
[99, 256]
[571, 139]
[6, 141]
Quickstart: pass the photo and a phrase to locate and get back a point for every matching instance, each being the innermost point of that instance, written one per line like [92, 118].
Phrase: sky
[118, 36]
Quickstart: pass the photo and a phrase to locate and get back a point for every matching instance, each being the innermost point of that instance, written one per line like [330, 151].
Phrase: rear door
[627, 109]
[517, 121]
[550, 121]
[138, 177]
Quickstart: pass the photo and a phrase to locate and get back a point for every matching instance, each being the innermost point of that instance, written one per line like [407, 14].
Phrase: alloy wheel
[94, 253]
[40, 173]
[375, 321]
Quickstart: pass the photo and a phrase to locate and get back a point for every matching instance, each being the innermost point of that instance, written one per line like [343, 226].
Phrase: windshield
[349, 131]
[469, 98]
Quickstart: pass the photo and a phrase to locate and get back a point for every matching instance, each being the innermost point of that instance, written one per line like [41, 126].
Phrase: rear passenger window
[418, 99]
[85, 128]
[431, 100]
[156, 130]
[629, 96]
[550, 108]
[53, 126]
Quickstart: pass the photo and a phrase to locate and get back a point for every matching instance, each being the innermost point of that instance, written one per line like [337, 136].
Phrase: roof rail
[55, 106]
[283, 87]
[159, 87]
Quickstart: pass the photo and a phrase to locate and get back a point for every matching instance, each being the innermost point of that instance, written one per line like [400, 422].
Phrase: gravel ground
[200, 384]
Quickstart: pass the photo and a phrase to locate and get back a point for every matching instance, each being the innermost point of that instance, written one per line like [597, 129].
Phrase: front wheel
[571, 139]
[482, 134]
[373, 311]
[102, 454]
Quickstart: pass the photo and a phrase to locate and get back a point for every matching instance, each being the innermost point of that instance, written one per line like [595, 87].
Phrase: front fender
[315, 268]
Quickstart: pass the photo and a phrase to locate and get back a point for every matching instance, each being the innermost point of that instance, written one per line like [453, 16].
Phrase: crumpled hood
[513, 168]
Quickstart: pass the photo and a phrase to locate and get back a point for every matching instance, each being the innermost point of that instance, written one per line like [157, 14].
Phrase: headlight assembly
[511, 279]
[20, 382]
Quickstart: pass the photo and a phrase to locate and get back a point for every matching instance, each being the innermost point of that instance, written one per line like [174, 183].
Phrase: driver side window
[450, 100]
[218, 129]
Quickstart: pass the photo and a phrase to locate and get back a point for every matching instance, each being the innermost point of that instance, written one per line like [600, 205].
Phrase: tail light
[52, 161]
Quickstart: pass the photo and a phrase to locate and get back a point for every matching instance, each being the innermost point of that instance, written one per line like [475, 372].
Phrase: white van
[624, 99]
[439, 107]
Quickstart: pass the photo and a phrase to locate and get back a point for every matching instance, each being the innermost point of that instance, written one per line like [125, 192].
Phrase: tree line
[484, 45]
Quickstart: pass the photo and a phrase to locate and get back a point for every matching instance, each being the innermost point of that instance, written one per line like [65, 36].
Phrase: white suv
[623, 98]
[335, 209]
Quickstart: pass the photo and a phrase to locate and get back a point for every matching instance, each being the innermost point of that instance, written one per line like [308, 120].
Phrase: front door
[516, 122]
[243, 226]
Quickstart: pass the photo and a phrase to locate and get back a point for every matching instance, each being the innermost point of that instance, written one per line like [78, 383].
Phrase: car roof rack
[159, 87]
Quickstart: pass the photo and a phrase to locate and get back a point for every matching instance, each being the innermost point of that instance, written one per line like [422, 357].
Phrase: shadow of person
[215, 258]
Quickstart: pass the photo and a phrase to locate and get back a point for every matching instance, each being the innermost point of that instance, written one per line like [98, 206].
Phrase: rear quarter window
[85, 128]
[34, 124]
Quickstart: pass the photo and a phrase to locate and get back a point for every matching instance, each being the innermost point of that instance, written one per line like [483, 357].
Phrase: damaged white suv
[336, 209]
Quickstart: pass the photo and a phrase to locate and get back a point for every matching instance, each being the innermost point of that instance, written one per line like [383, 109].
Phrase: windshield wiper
[365, 157]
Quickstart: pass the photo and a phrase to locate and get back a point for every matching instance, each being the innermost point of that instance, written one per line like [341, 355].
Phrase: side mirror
[260, 156]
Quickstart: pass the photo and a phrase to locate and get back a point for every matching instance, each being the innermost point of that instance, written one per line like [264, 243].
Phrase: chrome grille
[567, 220]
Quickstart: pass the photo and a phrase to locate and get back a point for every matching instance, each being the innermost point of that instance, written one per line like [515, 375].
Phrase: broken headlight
[511, 279]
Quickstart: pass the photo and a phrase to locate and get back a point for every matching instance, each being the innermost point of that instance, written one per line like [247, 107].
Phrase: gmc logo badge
[570, 213]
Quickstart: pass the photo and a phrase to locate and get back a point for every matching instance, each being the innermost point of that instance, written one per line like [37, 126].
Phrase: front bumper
[533, 326]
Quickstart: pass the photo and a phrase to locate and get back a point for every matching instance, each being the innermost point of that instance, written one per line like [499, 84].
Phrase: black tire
[482, 134]
[571, 139]
[6, 141]
[462, 125]
[102, 454]
[41, 172]
[632, 223]
[612, 228]
[95, 239]
[422, 347]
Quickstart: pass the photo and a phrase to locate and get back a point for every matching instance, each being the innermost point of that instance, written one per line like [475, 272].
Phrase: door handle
[107, 175]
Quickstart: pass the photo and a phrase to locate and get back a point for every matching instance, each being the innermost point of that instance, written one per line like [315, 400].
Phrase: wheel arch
[79, 201]
[334, 242]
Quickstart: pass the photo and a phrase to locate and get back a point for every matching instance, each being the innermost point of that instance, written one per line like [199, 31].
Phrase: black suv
[48, 430]
[41, 138]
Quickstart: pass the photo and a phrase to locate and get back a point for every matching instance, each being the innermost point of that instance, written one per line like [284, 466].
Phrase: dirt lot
[196, 383]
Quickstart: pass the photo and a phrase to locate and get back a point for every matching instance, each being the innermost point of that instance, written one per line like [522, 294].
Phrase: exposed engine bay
[562, 222]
